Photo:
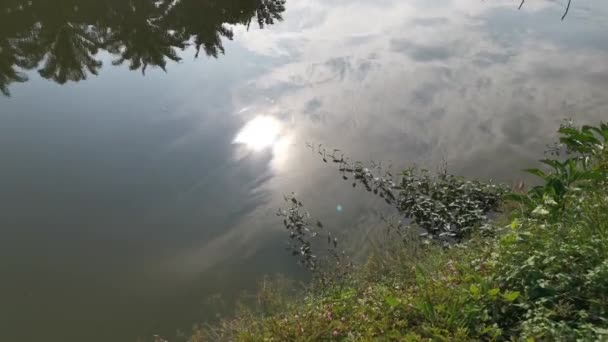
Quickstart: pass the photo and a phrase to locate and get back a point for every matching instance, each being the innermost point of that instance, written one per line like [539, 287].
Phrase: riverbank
[536, 272]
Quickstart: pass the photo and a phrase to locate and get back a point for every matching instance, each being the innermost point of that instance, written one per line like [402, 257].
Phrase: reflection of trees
[197, 20]
[268, 11]
[141, 38]
[66, 52]
[8, 67]
[11, 58]
[54, 37]
[62, 38]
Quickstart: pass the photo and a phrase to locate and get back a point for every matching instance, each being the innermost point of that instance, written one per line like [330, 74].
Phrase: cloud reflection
[479, 84]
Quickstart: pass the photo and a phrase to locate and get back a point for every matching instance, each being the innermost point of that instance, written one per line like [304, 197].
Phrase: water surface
[146, 145]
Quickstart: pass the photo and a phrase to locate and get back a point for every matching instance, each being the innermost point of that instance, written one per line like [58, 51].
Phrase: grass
[539, 272]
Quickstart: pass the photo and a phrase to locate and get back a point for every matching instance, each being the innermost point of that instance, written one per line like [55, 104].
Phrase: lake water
[130, 195]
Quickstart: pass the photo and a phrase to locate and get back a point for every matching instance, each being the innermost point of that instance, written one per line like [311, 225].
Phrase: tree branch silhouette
[567, 9]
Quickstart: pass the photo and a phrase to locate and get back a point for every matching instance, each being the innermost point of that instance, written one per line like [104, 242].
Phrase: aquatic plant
[446, 206]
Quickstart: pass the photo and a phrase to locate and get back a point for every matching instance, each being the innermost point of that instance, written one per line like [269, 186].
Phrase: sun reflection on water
[266, 133]
[260, 133]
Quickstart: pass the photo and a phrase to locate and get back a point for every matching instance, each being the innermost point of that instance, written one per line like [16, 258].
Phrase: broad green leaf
[494, 292]
[568, 130]
[536, 172]
[554, 164]
[510, 296]
[474, 290]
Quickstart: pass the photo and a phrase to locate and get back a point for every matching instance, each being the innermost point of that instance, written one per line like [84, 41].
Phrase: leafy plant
[588, 141]
[447, 207]
[333, 264]
[585, 167]
[558, 267]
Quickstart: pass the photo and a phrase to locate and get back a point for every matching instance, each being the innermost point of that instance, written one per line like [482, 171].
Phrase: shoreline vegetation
[466, 261]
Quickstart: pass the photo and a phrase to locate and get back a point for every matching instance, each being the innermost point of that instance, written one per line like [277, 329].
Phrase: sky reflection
[480, 85]
[156, 191]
